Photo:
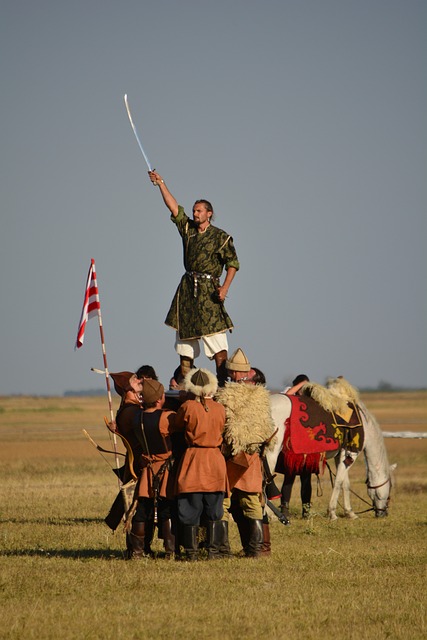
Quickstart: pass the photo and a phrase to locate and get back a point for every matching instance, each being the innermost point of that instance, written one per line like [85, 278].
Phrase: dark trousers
[166, 510]
[288, 483]
[191, 506]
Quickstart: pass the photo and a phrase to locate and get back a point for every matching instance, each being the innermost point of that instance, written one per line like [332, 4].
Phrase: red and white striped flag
[91, 305]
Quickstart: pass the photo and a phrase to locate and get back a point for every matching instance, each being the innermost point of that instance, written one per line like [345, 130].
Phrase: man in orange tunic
[202, 474]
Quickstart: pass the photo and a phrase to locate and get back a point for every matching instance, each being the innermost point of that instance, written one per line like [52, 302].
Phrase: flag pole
[107, 374]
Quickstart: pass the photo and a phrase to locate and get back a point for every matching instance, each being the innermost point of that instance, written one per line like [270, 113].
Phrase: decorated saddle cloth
[313, 433]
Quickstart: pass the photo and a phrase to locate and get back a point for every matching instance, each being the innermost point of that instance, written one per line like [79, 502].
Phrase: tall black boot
[190, 542]
[135, 541]
[218, 545]
[266, 540]
[149, 533]
[284, 508]
[221, 371]
[224, 547]
[306, 510]
[169, 542]
[242, 525]
[254, 547]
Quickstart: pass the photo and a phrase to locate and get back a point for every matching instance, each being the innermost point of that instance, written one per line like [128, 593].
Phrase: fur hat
[238, 362]
[152, 390]
[122, 381]
[201, 382]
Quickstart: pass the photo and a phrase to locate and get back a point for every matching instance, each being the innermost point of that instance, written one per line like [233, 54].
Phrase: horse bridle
[378, 486]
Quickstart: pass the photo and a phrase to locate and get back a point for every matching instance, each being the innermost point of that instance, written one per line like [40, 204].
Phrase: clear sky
[303, 122]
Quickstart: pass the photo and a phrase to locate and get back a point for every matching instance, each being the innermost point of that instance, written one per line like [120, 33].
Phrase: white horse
[378, 469]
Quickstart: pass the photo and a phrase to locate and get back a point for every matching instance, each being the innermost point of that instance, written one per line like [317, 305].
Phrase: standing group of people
[196, 466]
[203, 462]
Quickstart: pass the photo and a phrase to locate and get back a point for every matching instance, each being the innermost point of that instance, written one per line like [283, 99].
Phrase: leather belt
[196, 276]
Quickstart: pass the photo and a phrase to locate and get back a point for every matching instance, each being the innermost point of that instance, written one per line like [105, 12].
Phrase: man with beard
[197, 311]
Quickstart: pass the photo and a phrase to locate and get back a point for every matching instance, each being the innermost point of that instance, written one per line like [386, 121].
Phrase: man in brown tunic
[155, 504]
[145, 428]
[202, 474]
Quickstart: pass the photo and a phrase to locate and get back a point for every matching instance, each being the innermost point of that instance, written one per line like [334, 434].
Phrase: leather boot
[218, 545]
[306, 507]
[266, 541]
[224, 547]
[253, 549]
[284, 508]
[149, 532]
[186, 365]
[190, 542]
[168, 539]
[243, 527]
[136, 541]
[221, 371]
[128, 546]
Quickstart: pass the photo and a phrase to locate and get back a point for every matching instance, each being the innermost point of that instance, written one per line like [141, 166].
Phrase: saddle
[313, 434]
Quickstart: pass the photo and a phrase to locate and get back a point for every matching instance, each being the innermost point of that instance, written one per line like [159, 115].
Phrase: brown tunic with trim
[247, 476]
[202, 468]
[158, 425]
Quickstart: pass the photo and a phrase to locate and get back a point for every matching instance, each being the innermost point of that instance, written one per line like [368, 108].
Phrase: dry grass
[63, 573]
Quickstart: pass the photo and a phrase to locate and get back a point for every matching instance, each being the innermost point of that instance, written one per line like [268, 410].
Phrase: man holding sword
[197, 311]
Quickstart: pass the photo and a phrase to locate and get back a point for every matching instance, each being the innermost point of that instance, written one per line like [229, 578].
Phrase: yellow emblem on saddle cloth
[350, 420]
[346, 414]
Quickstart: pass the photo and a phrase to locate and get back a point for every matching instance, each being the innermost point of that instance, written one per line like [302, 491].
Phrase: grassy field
[62, 572]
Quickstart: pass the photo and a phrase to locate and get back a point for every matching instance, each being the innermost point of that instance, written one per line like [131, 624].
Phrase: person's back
[202, 474]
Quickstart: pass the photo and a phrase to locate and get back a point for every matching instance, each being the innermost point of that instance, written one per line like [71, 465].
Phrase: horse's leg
[342, 482]
[349, 513]
[340, 471]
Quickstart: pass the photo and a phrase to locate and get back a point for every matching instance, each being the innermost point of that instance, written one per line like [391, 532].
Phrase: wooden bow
[129, 452]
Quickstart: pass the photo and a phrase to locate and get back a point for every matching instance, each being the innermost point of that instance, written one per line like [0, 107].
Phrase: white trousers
[212, 345]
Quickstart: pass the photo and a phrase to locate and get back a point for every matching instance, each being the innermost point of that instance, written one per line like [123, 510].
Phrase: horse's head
[380, 495]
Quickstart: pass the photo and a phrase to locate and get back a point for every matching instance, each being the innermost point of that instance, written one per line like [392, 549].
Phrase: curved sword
[136, 133]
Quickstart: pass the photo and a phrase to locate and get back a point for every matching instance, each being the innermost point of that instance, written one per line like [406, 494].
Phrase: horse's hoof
[333, 516]
[351, 515]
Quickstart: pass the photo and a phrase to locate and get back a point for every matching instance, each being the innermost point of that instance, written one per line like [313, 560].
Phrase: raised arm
[168, 198]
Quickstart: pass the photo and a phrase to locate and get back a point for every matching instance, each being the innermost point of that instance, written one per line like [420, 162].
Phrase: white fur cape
[248, 417]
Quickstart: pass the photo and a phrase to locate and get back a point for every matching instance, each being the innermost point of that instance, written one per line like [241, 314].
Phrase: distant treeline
[386, 387]
[85, 392]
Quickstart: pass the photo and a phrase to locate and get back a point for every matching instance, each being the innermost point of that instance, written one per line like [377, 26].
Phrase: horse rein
[371, 508]
[376, 509]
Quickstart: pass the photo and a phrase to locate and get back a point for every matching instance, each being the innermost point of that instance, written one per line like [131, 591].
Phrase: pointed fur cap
[238, 362]
[201, 382]
[122, 381]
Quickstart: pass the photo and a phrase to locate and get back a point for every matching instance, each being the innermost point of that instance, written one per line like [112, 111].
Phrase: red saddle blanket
[311, 433]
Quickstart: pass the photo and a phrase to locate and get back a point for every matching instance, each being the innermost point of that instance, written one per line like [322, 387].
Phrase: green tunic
[196, 310]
